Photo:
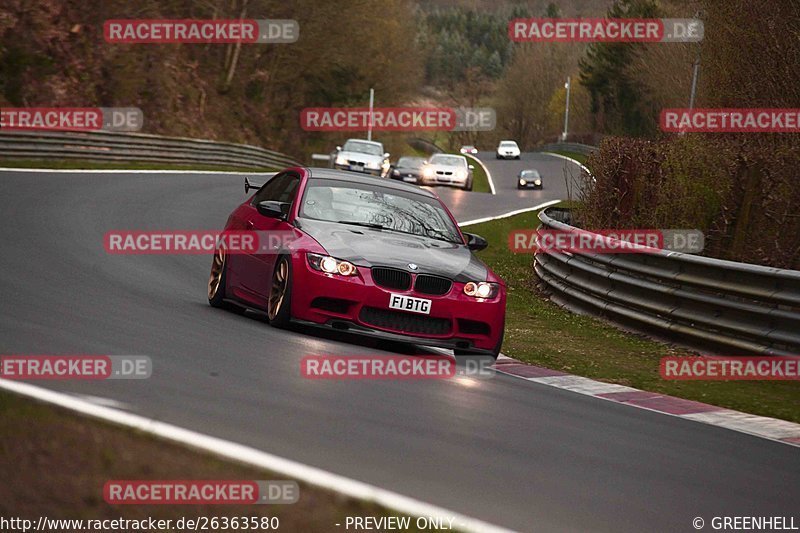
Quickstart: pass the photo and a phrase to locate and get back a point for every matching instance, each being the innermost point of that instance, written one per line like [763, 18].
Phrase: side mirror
[425, 162]
[272, 209]
[475, 242]
[471, 167]
[386, 155]
[338, 148]
[248, 186]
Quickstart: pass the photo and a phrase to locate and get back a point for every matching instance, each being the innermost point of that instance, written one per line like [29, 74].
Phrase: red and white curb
[760, 426]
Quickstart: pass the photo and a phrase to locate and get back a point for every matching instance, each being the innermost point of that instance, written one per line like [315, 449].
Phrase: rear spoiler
[248, 186]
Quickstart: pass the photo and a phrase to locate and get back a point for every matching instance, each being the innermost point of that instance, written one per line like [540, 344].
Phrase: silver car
[446, 169]
[360, 155]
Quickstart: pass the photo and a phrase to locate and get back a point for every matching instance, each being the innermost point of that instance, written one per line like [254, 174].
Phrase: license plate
[356, 168]
[409, 303]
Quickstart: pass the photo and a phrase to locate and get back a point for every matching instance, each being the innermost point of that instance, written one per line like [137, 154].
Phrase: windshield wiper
[363, 224]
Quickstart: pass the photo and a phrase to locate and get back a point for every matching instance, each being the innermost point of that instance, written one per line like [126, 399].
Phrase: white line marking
[582, 385]
[575, 161]
[251, 456]
[486, 170]
[128, 171]
[509, 214]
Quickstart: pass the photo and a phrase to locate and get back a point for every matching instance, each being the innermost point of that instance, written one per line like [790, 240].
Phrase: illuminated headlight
[537, 182]
[395, 172]
[341, 160]
[331, 265]
[482, 289]
[427, 172]
[372, 165]
[462, 174]
[522, 182]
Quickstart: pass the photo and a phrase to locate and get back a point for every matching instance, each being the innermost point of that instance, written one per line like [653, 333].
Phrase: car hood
[362, 157]
[370, 247]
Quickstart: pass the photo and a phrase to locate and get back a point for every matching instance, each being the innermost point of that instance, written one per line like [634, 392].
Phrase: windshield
[508, 144]
[363, 147]
[449, 160]
[393, 210]
[410, 162]
[530, 174]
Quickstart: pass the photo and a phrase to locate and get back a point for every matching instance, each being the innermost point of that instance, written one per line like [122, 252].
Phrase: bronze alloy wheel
[217, 270]
[277, 292]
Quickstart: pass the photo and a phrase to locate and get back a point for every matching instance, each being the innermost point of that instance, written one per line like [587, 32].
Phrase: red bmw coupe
[375, 257]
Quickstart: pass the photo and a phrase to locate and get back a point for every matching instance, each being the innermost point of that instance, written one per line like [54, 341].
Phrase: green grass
[480, 182]
[88, 452]
[541, 333]
[79, 164]
[574, 155]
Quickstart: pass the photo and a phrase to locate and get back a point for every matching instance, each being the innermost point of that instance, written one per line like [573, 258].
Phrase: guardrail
[737, 306]
[578, 148]
[136, 147]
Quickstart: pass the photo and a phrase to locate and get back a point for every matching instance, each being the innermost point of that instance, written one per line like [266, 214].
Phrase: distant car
[447, 169]
[468, 149]
[359, 155]
[529, 179]
[507, 150]
[408, 169]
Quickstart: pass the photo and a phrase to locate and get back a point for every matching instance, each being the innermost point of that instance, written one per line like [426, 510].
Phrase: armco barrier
[136, 147]
[735, 306]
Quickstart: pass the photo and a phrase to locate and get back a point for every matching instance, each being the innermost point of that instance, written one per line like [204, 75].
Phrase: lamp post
[566, 112]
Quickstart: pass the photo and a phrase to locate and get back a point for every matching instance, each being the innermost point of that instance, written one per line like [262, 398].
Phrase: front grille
[405, 322]
[432, 284]
[444, 172]
[391, 278]
[334, 305]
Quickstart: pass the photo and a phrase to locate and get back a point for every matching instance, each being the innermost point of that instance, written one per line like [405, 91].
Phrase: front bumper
[359, 169]
[356, 304]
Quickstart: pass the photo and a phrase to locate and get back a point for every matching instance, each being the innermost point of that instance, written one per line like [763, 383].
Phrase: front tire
[280, 294]
[217, 279]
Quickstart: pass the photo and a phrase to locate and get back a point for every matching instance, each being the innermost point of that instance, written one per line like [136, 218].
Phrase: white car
[360, 155]
[507, 150]
[447, 169]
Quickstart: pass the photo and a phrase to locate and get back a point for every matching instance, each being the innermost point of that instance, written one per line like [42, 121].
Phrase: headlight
[395, 172]
[427, 172]
[481, 289]
[537, 182]
[462, 174]
[522, 182]
[331, 265]
[341, 160]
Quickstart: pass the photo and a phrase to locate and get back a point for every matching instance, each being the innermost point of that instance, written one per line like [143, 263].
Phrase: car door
[255, 269]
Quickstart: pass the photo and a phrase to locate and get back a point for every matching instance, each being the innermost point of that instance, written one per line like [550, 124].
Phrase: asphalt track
[511, 452]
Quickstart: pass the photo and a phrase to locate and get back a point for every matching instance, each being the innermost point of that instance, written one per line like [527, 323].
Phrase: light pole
[371, 102]
[566, 112]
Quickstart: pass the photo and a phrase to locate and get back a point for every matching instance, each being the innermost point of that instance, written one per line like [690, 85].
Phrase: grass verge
[480, 181]
[55, 464]
[79, 164]
[542, 333]
[581, 158]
